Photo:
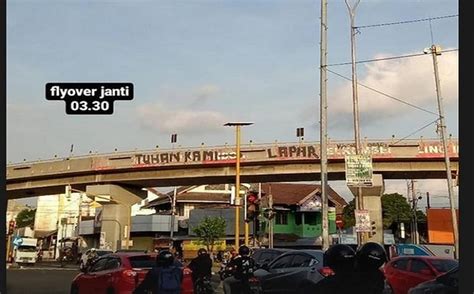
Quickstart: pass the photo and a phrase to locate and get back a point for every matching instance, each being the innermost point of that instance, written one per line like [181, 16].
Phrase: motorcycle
[204, 286]
[225, 271]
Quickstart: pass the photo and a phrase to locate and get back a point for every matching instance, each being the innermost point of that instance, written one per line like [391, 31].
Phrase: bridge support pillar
[373, 203]
[116, 212]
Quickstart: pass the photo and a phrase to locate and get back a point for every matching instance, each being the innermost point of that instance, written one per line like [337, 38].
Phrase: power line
[411, 134]
[406, 21]
[384, 94]
[389, 58]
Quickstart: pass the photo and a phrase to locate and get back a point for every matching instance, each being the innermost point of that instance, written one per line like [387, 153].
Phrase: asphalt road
[51, 280]
[39, 280]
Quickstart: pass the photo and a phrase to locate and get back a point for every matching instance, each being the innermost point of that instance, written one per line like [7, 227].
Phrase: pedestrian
[201, 267]
[369, 259]
[165, 278]
[340, 258]
[243, 267]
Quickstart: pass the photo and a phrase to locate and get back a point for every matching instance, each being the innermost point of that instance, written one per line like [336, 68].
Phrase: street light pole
[173, 212]
[237, 126]
[435, 51]
[355, 107]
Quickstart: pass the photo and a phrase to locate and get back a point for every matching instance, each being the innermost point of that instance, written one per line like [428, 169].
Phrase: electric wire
[384, 94]
[406, 21]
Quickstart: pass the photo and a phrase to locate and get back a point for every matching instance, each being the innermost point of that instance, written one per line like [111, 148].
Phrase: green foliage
[210, 230]
[395, 208]
[25, 218]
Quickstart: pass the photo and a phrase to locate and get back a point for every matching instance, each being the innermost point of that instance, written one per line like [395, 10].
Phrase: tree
[25, 218]
[395, 209]
[209, 230]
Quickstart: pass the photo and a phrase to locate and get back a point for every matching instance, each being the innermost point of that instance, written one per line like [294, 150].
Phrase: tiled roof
[283, 194]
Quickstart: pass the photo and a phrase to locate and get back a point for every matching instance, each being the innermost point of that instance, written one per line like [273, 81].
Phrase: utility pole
[173, 212]
[435, 51]
[428, 200]
[415, 219]
[270, 221]
[355, 107]
[323, 131]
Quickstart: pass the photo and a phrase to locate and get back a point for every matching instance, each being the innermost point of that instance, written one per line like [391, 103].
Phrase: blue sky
[198, 64]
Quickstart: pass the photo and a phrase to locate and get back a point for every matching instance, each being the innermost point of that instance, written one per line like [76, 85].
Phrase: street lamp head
[427, 50]
[232, 124]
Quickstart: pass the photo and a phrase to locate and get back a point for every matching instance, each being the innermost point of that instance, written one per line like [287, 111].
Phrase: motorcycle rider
[88, 258]
[243, 267]
[340, 258]
[201, 267]
[165, 278]
[369, 258]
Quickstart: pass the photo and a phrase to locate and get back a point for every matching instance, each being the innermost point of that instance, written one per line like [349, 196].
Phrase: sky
[197, 64]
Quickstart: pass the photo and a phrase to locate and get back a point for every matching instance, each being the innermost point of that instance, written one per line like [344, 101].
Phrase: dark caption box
[89, 98]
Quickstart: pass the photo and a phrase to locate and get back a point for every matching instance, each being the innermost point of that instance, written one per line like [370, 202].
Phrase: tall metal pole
[237, 187]
[415, 220]
[355, 108]
[435, 51]
[173, 213]
[323, 126]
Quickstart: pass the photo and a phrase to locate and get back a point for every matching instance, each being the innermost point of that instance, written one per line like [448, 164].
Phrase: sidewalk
[45, 264]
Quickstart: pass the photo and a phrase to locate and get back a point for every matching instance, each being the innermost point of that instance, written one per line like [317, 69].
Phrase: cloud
[203, 93]
[184, 121]
[408, 79]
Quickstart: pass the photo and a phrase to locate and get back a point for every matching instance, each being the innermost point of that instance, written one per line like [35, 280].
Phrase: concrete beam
[118, 194]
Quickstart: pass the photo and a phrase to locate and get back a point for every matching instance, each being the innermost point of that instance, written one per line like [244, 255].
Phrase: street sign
[17, 241]
[359, 170]
[362, 221]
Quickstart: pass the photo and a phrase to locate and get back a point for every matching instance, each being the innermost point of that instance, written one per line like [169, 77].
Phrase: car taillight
[253, 280]
[129, 273]
[326, 271]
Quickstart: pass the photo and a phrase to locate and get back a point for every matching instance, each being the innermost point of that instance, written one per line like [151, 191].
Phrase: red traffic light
[251, 198]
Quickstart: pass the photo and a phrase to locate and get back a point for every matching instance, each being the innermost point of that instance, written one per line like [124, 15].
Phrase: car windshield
[142, 261]
[444, 265]
[101, 252]
[27, 248]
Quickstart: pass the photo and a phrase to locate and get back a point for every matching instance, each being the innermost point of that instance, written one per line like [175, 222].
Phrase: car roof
[312, 252]
[427, 257]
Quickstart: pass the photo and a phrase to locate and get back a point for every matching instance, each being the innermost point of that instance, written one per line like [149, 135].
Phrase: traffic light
[252, 206]
[11, 227]
[373, 228]
[68, 192]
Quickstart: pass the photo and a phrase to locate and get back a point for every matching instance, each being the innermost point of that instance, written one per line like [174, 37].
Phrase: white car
[84, 256]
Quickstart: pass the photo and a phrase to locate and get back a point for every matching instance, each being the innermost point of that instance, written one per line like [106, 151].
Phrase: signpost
[359, 170]
[17, 241]
[362, 221]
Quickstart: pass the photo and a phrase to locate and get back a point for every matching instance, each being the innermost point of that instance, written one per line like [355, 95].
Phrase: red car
[121, 273]
[405, 272]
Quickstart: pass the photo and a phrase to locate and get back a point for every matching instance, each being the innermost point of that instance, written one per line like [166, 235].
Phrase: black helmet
[202, 251]
[244, 250]
[164, 258]
[370, 256]
[339, 257]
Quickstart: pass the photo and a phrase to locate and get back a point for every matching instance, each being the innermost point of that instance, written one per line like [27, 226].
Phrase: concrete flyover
[274, 162]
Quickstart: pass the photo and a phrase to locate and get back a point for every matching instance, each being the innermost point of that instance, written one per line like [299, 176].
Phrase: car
[444, 284]
[405, 272]
[121, 273]
[266, 255]
[292, 271]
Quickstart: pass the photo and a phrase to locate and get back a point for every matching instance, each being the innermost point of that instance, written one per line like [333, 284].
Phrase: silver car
[291, 272]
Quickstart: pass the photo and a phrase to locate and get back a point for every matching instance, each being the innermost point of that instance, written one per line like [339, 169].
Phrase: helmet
[92, 249]
[202, 251]
[244, 250]
[370, 256]
[164, 258]
[339, 257]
